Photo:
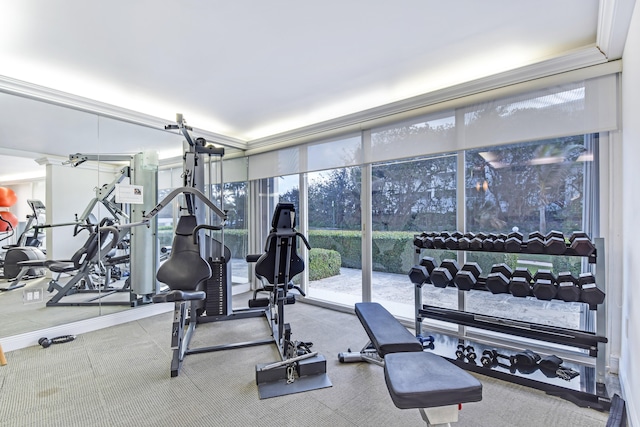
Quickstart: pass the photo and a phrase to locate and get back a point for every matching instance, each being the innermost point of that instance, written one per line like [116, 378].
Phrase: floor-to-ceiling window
[235, 229]
[168, 179]
[528, 187]
[525, 161]
[334, 224]
[408, 197]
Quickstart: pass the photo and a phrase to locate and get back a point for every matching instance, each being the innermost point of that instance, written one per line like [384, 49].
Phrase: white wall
[24, 190]
[69, 191]
[629, 364]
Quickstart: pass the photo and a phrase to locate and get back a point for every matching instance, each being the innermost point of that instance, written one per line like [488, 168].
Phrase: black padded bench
[385, 332]
[414, 378]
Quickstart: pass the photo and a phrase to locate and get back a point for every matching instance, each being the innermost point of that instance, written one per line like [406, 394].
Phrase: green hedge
[392, 250]
[235, 240]
[323, 263]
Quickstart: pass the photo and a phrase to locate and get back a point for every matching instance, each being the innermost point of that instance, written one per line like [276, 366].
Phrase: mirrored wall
[57, 205]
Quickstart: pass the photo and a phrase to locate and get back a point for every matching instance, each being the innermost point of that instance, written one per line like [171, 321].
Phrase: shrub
[323, 263]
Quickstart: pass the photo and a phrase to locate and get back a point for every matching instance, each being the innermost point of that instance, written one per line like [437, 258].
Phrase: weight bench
[414, 378]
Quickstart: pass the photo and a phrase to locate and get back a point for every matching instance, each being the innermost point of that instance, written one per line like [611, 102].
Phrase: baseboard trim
[633, 417]
[28, 339]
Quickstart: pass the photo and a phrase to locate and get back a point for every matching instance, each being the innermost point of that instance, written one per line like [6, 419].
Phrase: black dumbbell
[428, 262]
[467, 277]
[418, 241]
[490, 358]
[535, 243]
[438, 241]
[424, 240]
[545, 285]
[466, 352]
[476, 243]
[513, 242]
[519, 287]
[502, 268]
[581, 244]
[457, 234]
[522, 272]
[568, 287]
[419, 274]
[487, 244]
[525, 359]
[463, 243]
[451, 243]
[520, 283]
[554, 243]
[498, 242]
[460, 350]
[590, 292]
[442, 276]
[498, 280]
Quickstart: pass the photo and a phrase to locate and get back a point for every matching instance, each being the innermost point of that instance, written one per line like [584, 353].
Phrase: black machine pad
[385, 332]
[178, 295]
[426, 380]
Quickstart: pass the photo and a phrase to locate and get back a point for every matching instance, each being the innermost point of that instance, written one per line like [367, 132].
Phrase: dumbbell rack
[587, 390]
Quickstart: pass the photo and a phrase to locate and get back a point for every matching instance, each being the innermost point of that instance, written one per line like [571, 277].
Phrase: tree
[525, 185]
[334, 199]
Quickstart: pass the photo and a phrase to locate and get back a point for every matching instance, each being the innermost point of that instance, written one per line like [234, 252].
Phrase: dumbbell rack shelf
[588, 389]
[582, 390]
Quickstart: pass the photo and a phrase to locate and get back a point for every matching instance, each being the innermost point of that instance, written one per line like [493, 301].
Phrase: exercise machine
[85, 264]
[139, 245]
[299, 368]
[197, 268]
[198, 276]
[26, 248]
[415, 379]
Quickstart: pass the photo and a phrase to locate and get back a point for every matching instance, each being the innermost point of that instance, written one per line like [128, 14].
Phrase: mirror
[33, 130]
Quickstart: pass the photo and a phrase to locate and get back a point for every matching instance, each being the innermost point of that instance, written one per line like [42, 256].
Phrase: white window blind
[581, 107]
[275, 163]
[570, 109]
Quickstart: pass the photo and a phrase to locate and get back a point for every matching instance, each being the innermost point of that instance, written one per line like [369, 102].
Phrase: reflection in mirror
[49, 133]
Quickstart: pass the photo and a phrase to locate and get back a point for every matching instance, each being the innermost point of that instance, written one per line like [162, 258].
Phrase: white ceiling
[248, 70]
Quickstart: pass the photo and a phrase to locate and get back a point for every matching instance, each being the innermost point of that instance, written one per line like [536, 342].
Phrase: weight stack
[216, 289]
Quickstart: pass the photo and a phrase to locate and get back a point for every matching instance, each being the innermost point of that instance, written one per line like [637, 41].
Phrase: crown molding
[614, 19]
[52, 96]
[574, 60]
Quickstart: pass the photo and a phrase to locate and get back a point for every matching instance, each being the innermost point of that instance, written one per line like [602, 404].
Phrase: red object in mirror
[8, 197]
[8, 216]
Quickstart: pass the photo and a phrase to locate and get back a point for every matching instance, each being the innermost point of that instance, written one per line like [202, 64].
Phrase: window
[334, 219]
[409, 197]
[236, 236]
[454, 168]
[538, 186]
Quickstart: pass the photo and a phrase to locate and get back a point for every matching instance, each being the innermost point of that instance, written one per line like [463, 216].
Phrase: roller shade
[575, 108]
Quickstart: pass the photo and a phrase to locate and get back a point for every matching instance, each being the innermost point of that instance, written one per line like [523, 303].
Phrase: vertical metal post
[144, 244]
[461, 225]
[418, 306]
[366, 219]
[601, 314]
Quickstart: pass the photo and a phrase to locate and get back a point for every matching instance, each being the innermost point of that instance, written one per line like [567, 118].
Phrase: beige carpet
[119, 376]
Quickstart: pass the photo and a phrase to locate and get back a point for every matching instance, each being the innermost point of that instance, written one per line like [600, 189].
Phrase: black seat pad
[385, 332]
[426, 380]
[185, 269]
[177, 295]
[61, 266]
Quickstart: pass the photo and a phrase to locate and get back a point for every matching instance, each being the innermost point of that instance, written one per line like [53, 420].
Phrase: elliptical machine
[25, 249]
